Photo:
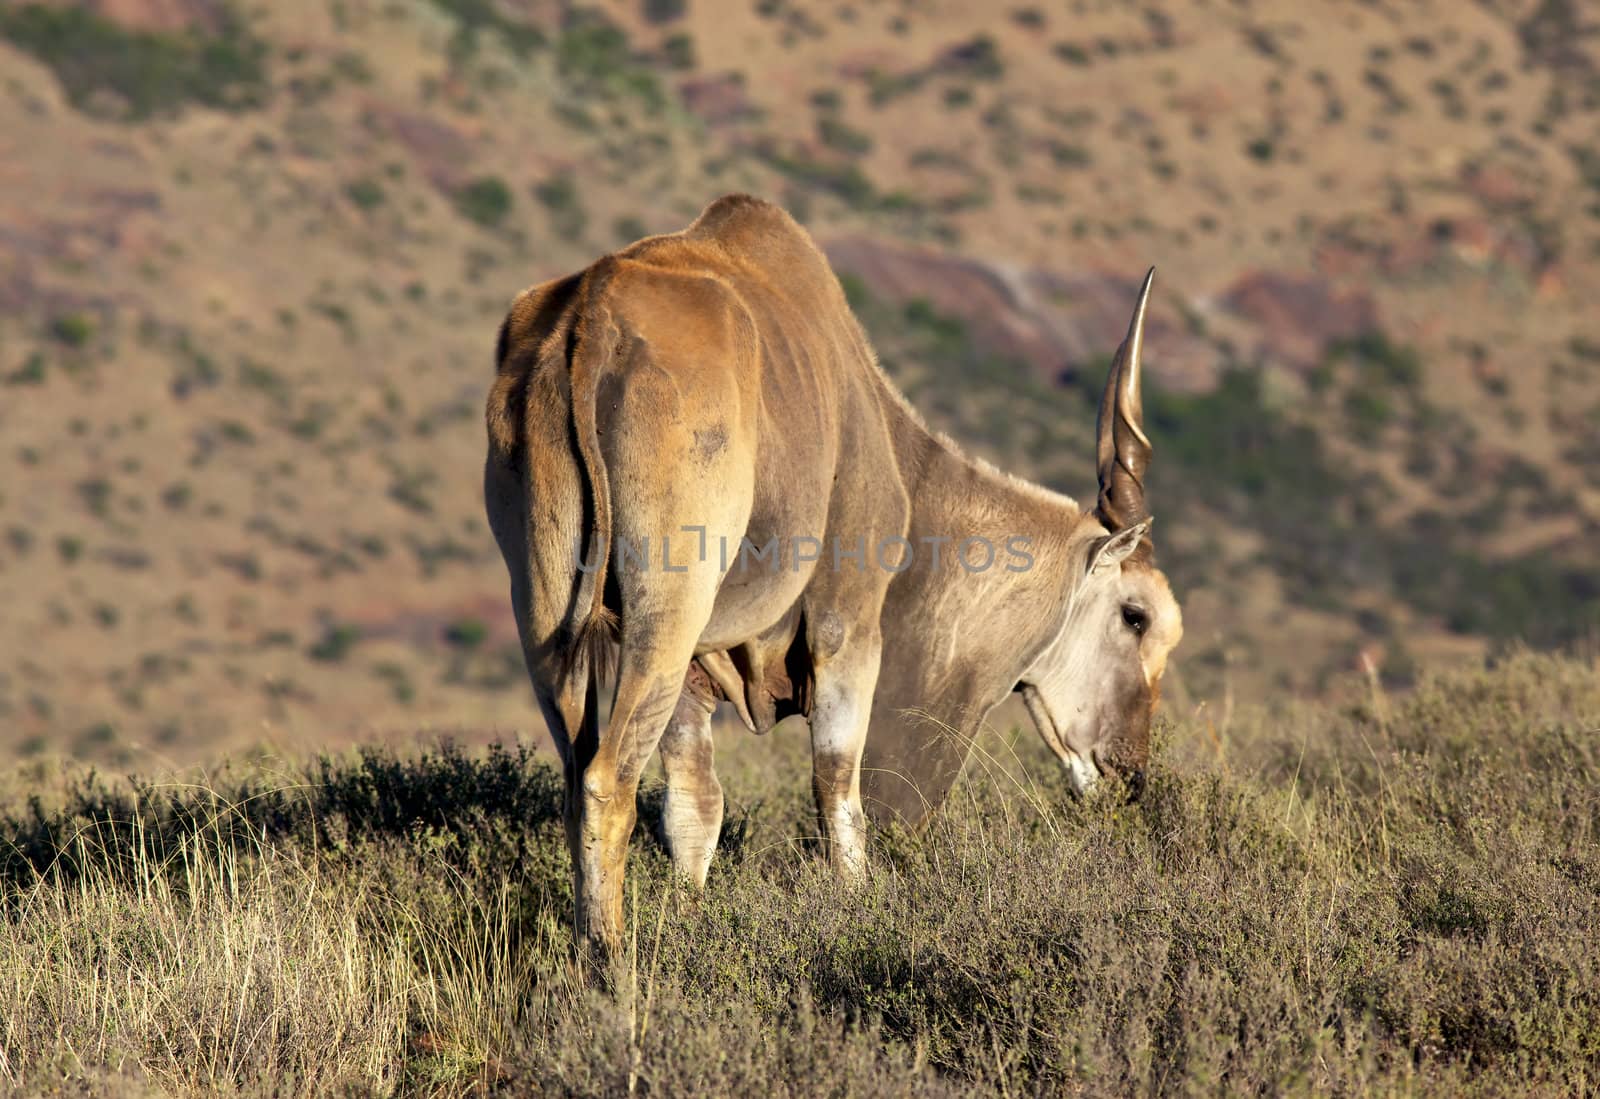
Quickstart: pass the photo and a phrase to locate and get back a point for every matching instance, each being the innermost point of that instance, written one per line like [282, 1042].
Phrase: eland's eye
[1135, 618]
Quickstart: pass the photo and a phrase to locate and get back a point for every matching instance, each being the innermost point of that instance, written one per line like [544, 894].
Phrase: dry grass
[1397, 896]
[218, 965]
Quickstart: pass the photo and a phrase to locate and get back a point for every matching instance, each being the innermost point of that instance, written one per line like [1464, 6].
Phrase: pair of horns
[1122, 448]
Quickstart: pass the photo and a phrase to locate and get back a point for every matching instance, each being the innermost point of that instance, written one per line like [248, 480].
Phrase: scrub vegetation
[1372, 896]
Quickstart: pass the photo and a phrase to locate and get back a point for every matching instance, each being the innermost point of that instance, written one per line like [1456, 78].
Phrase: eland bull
[706, 489]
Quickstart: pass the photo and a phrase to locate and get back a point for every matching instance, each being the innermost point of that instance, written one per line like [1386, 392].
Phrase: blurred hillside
[252, 259]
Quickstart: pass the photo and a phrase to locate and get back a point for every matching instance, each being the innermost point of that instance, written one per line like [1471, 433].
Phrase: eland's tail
[592, 648]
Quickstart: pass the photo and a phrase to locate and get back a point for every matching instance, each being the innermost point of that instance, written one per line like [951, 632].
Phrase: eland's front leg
[842, 704]
[691, 816]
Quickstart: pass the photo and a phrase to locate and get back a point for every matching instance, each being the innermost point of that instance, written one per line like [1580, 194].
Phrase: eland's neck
[1037, 534]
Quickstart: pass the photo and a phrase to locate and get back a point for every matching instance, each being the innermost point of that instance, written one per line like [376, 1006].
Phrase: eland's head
[1092, 690]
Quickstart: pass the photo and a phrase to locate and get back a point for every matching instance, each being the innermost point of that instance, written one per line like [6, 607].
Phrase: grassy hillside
[255, 255]
[1374, 896]
[252, 260]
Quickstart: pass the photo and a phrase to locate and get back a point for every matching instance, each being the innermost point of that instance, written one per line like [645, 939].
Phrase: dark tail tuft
[594, 648]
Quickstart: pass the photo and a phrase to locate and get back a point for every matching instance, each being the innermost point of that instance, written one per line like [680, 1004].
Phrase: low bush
[486, 201]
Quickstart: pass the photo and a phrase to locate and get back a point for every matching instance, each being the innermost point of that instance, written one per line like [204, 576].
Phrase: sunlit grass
[1389, 895]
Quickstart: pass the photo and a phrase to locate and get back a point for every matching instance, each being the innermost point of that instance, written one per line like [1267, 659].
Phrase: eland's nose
[1135, 782]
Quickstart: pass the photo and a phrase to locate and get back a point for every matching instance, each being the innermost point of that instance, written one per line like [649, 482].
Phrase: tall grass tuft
[223, 965]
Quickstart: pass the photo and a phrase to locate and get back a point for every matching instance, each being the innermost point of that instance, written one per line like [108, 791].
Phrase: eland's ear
[1111, 551]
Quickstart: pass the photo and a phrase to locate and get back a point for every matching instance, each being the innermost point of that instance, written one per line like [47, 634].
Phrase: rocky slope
[252, 260]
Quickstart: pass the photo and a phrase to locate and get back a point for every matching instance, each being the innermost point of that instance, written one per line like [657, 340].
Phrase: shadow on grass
[492, 804]
[487, 808]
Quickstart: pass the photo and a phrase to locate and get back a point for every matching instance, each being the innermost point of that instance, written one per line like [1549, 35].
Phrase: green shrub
[1065, 155]
[836, 135]
[594, 56]
[883, 87]
[368, 194]
[264, 379]
[335, 644]
[665, 11]
[468, 633]
[235, 431]
[486, 200]
[978, 59]
[628, 229]
[31, 372]
[74, 330]
[96, 495]
[679, 52]
[400, 686]
[149, 72]
[847, 181]
[559, 195]
[1072, 53]
[1384, 362]
[476, 16]
[1369, 412]
[409, 489]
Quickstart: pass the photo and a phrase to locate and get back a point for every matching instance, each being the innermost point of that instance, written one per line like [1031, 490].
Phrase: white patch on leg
[849, 840]
[1081, 773]
[837, 734]
[835, 722]
[691, 839]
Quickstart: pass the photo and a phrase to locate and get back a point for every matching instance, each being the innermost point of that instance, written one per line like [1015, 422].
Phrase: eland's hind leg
[661, 623]
[691, 816]
[678, 447]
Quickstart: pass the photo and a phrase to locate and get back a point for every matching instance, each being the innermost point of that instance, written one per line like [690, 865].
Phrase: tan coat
[697, 473]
